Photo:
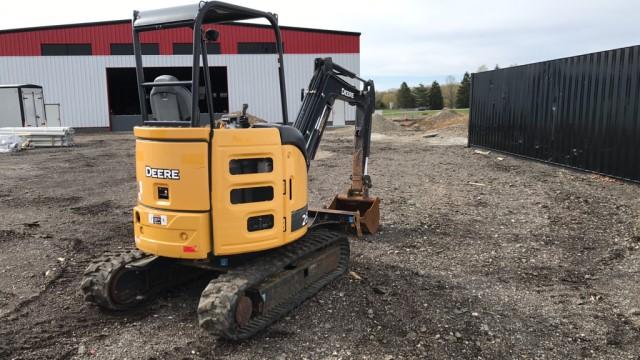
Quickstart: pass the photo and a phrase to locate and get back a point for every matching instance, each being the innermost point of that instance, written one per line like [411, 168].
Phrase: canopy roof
[186, 15]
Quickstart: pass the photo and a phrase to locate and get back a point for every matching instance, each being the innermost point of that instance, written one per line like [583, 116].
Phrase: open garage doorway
[124, 107]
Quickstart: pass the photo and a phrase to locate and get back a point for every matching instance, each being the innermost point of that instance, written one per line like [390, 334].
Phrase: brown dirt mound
[440, 120]
[445, 115]
[382, 125]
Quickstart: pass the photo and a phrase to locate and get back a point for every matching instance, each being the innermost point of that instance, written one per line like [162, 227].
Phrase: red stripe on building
[27, 42]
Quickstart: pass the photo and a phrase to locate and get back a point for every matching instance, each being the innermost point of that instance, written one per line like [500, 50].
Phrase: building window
[187, 48]
[127, 49]
[213, 48]
[257, 48]
[65, 49]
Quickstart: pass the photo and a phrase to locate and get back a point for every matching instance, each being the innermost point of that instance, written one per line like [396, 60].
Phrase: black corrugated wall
[581, 111]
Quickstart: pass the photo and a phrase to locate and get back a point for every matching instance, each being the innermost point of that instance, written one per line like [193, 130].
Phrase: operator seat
[170, 103]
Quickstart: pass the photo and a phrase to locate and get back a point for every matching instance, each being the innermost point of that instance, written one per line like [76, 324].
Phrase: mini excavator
[227, 198]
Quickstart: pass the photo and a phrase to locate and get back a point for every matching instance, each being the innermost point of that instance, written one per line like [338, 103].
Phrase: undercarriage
[238, 302]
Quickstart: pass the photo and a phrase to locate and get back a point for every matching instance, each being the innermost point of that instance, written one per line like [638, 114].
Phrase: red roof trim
[125, 21]
[27, 42]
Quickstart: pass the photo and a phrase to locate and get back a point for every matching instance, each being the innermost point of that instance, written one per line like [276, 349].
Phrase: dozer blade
[368, 209]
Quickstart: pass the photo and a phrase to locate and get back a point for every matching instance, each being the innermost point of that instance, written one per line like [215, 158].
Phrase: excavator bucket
[368, 209]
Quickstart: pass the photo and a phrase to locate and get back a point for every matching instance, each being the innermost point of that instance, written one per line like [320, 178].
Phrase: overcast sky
[404, 40]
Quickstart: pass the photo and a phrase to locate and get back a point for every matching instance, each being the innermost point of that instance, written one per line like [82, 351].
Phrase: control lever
[243, 122]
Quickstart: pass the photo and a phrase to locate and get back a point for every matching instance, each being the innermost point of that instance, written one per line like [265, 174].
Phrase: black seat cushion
[288, 136]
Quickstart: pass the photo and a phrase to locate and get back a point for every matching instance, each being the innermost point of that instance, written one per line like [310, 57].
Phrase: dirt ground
[480, 256]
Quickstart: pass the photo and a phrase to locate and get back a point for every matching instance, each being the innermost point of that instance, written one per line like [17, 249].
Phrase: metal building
[89, 69]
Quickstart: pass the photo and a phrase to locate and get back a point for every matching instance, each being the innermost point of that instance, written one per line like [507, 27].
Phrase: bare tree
[482, 68]
[450, 89]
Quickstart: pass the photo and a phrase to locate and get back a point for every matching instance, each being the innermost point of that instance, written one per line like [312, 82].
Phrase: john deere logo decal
[347, 93]
[171, 174]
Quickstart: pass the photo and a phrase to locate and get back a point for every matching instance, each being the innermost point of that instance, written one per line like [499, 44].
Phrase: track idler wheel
[125, 279]
[108, 283]
[244, 309]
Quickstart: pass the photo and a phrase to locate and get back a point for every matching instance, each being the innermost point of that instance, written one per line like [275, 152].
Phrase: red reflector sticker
[189, 249]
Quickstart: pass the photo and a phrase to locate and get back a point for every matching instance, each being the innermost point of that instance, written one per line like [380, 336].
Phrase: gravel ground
[480, 256]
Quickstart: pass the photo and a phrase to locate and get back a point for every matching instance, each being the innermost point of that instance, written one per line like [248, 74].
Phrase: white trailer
[22, 105]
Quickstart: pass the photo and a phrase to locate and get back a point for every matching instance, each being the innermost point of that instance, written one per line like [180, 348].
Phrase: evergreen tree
[421, 94]
[405, 97]
[464, 92]
[436, 102]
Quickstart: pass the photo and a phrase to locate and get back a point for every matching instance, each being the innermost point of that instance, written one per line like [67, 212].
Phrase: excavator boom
[328, 84]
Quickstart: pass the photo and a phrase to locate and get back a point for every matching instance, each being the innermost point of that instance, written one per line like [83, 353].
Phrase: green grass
[411, 113]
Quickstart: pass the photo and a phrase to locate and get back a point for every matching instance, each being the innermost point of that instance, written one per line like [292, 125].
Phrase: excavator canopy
[212, 12]
[194, 17]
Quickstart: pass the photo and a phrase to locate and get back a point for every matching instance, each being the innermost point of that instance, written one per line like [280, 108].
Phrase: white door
[39, 107]
[33, 106]
[53, 114]
[28, 108]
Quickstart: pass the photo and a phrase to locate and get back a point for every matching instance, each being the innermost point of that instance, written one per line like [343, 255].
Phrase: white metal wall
[10, 114]
[79, 84]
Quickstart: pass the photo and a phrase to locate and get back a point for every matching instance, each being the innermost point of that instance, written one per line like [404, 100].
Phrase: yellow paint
[191, 192]
[296, 171]
[192, 209]
[182, 229]
[172, 133]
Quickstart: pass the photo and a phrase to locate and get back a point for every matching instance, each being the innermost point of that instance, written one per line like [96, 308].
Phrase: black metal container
[582, 111]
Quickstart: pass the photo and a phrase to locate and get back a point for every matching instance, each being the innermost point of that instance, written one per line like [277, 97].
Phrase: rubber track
[95, 282]
[216, 310]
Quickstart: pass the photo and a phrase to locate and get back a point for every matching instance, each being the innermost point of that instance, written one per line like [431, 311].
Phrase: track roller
[247, 299]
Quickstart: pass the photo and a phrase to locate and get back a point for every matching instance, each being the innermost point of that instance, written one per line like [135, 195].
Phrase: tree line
[435, 97]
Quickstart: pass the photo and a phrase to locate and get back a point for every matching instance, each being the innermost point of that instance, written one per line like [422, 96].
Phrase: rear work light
[189, 249]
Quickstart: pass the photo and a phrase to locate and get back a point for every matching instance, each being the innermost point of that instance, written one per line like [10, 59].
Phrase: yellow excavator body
[205, 193]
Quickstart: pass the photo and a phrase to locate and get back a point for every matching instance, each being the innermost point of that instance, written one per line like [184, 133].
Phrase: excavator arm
[327, 85]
